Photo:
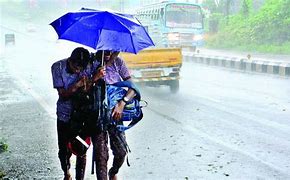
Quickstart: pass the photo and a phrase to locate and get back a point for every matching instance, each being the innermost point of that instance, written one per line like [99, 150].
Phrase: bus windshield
[183, 16]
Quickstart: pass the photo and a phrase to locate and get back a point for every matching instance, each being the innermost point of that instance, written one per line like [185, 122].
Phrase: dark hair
[98, 55]
[107, 52]
[80, 56]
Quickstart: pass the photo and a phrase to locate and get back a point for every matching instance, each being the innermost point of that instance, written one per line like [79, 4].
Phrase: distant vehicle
[173, 24]
[155, 67]
[9, 39]
[30, 28]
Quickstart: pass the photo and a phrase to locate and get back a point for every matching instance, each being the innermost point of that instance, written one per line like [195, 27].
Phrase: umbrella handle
[103, 54]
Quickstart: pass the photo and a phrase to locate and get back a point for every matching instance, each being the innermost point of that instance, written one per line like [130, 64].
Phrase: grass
[3, 147]
[2, 174]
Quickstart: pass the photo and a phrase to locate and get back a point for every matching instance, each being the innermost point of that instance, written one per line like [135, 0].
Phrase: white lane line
[36, 96]
[208, 98]
[192, 91]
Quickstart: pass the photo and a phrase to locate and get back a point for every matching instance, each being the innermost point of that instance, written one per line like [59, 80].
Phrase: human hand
[82, 82]
[85, 80]
[101, 72]
[118, 110]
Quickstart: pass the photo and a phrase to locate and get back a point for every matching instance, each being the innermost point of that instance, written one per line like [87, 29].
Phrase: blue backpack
[132, 110]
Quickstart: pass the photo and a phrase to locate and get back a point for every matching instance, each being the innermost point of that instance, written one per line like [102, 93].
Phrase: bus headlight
[173, 36]
[197, 37]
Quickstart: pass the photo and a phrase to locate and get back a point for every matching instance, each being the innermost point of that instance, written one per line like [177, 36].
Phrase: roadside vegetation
[2, 174]
[250, 28]
[3, 146]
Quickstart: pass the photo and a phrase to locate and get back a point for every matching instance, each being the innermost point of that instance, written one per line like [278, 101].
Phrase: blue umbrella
[103, 30]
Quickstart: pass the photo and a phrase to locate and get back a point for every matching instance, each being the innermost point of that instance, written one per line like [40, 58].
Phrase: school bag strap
[132, 111]
[130, 85]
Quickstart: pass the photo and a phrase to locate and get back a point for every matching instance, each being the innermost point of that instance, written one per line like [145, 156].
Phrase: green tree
[265, 30]
[246, 7]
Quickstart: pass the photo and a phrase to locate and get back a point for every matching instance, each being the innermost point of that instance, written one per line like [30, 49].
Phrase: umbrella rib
[97, 42]
[128, 19]
[129, 32]
[69, 27]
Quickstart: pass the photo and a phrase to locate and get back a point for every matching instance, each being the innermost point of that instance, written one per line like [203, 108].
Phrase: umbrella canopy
[103, 30]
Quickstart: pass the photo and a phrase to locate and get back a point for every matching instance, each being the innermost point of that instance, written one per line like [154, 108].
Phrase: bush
[266, 30]
[3, 147]
[2, 174]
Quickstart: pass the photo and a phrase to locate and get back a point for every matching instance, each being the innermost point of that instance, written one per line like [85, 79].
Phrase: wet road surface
[221, 124]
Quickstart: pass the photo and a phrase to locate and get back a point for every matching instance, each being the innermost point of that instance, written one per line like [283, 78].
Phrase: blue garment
[117, 71]
[62, 78]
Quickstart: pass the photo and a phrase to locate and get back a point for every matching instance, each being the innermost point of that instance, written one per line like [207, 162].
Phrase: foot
[114, 177]
[67, 176]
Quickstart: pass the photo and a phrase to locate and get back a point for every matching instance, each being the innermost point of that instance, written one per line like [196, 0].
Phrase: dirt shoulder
[29, 132]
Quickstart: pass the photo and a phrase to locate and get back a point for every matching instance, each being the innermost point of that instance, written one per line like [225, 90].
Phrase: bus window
[184, 16]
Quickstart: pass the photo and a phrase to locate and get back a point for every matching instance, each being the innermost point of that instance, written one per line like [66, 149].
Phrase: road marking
[36, 96]
[208, 98]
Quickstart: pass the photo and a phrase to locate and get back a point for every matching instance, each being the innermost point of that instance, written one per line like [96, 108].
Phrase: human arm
[100, 73]
[119, 107]
[67, 93]
[88, 82]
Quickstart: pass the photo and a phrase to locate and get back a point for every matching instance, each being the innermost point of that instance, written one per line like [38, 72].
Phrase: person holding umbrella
[115, 71]
[68, 78]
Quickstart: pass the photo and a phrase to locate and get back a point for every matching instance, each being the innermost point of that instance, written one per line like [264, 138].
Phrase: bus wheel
[174, 86]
